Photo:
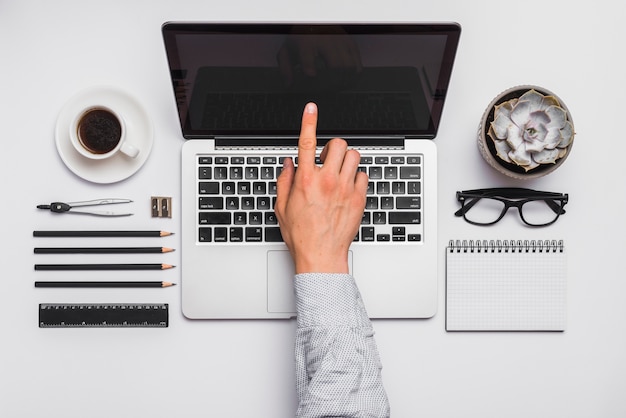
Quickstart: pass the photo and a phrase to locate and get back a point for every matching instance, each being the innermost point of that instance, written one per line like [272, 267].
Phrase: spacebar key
[404, 217]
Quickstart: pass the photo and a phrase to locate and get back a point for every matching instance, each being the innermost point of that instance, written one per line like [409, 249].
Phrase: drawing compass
[62, 207]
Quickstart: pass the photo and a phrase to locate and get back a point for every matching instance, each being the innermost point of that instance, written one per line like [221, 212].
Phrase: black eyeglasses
[488, 206]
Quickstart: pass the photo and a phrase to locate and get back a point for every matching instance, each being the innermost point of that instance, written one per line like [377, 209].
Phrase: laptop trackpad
[280, 272]
[280, 276]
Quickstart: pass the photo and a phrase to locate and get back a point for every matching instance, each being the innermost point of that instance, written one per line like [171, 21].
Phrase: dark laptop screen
[254, 79]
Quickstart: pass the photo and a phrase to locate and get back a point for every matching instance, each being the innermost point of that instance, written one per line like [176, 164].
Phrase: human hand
[319, 209]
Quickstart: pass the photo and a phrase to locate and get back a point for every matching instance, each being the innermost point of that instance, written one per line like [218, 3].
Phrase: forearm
[338, 371]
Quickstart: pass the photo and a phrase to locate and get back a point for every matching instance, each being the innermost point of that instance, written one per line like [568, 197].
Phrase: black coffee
[99, 131]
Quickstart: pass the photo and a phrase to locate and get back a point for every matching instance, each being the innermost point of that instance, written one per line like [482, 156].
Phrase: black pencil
[101, 233]
[103, 266]
[102, 250]
[104, 284]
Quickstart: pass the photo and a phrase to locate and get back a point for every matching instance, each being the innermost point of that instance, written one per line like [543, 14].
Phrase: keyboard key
[398, 187]
[208, 187]
[383, 187]
[243, 187]
[215, 218]
[410, 172]
[220, 234]
[236, 234]
[398, 230]
[220, 173]
[376, 173]
[247, 203]
[205, 235]
[267, 173]
[263, 203]
[410, 202]
[414, 187]
[251, 173]
[386, 202]
[380, 218]
[232, 203]
[236, 173]
[259, 187]
[204, 173]
[272, 234]
[211, 203]
[228, 187]
[367, 233]
[240, 218]
[391, 172]
[256, 218]
[404, 218]
[254, 234]
[270, 218]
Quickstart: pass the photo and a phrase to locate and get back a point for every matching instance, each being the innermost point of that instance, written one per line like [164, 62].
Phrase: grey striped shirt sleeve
[338, 370]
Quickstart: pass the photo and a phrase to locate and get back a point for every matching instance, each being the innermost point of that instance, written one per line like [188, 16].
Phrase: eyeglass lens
[535, 212]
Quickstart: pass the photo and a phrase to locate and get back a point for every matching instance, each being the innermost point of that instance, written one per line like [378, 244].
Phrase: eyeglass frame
[505, 195]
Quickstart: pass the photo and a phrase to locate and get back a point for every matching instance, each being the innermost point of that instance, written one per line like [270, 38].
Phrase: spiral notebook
[506, 286]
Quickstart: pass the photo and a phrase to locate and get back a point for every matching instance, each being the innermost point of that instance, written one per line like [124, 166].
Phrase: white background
[50, 50]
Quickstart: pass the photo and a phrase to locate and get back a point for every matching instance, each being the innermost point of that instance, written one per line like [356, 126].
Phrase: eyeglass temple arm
[467, 205]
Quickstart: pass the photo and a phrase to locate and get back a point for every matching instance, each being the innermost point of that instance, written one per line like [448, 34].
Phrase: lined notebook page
[506, 286]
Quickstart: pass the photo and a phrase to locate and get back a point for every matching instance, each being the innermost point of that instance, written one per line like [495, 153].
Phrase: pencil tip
[167, 250]
[165, 233]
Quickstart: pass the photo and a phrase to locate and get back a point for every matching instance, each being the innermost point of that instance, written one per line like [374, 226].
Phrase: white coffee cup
[99, 132]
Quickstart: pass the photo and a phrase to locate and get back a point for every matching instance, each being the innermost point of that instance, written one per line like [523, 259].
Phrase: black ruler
[103, 315]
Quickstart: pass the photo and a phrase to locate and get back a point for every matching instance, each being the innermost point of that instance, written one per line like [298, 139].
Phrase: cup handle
[129, 150]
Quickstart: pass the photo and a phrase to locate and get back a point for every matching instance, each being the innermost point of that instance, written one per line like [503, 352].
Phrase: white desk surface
[50, 50]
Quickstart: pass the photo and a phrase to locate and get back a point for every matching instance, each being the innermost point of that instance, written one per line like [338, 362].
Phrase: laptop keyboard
[237, 193]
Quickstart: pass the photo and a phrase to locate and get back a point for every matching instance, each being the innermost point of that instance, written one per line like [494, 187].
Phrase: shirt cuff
[324, 299]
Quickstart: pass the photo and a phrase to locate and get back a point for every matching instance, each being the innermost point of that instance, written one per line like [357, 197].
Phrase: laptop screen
[252, 80]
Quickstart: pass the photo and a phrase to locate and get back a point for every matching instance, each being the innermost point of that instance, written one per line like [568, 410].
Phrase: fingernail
[311, 108]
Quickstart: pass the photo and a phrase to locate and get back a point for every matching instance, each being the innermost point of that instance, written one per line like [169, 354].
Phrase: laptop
[240, 90]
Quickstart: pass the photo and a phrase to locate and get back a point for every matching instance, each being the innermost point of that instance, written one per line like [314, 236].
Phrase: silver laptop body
[240, 90]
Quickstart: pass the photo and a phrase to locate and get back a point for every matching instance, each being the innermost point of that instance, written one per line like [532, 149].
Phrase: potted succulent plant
[526, 132]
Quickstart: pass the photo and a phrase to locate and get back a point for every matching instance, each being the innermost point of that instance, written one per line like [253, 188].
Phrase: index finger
[307, 143]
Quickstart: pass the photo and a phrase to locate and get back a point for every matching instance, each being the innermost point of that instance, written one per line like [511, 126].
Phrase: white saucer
[139, 132]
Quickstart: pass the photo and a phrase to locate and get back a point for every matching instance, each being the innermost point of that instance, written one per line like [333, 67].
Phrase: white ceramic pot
[487, 148]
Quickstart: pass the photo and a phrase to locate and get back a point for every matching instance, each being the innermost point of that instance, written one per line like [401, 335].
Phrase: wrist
[304, 264]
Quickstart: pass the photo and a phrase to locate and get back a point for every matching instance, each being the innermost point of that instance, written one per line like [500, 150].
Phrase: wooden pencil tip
[167, 266]
[168, 284]
[165, 233]
[167, 250]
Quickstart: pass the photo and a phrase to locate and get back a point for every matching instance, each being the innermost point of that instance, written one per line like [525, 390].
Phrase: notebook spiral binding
[506, 246]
